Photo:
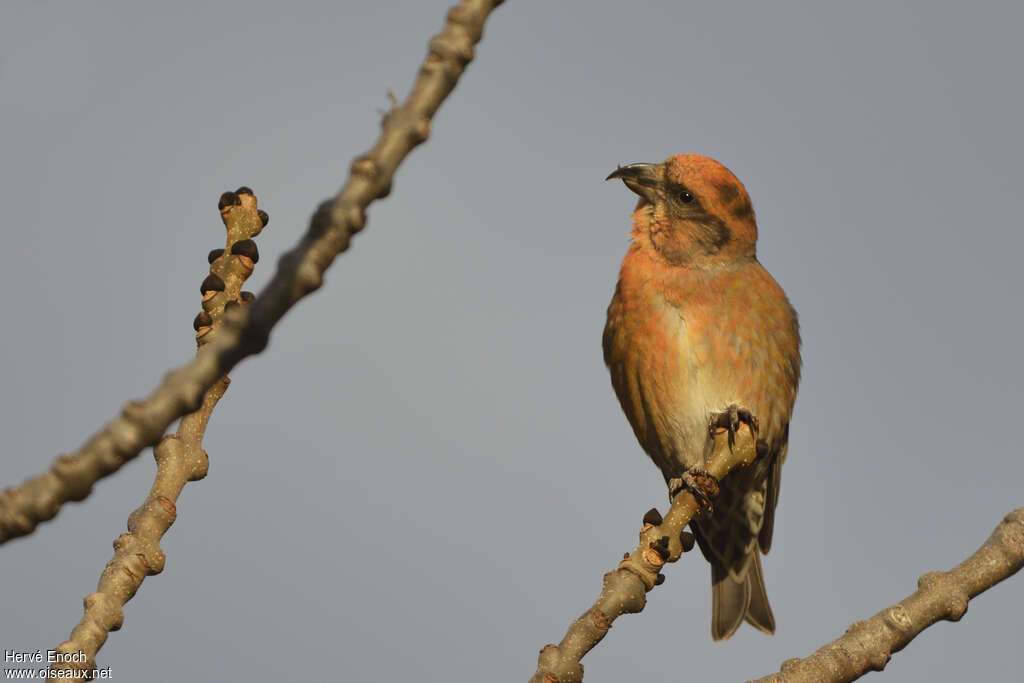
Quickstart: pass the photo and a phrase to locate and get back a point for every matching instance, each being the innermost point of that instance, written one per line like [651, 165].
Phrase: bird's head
[692, 210]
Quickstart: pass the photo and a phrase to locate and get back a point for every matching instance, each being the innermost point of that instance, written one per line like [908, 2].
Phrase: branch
[868, 645]
[180, 457]
[625, 589]
[299, 272]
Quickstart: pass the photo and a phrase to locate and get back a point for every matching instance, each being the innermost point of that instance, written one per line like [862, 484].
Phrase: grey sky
[427, 472]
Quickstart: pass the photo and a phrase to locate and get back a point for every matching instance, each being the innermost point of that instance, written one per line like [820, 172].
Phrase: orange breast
[682, 344]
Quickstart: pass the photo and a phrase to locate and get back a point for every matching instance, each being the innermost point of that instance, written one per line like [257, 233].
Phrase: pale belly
[672, 376]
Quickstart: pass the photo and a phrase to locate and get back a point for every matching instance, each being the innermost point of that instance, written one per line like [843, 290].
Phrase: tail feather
[738, 597]
[729, 601]
[759, 612]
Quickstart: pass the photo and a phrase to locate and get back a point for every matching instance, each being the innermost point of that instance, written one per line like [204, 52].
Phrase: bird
[699, 335]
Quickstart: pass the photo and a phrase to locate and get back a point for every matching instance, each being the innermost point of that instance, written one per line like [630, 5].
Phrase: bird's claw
[730, 420]
[702, 485]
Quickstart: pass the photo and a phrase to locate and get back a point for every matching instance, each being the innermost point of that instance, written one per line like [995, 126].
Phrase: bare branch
[300, 272]
[625, 589]
[868, 645]
[180, 457]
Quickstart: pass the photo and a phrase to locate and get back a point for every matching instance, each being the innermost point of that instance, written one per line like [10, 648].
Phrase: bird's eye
[685, 197]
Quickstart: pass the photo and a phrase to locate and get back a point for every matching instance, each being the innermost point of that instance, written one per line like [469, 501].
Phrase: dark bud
[212, 283]
[246, 248]
[652, 517]
[661, 547]
[264, 218]
[202, 320]
[687, 539]
[246, 297]
[659, 579]
[214, 255]
[228, 199]
[243, 190]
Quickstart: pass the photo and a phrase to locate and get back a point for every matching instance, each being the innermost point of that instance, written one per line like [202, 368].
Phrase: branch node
[200, 466]
[878, 659]
[645, 576]
[600, 619]
[169, 508]
[364, 167]
[456, 56]
[653, 557]
[420, 131]
[790, 665]
[356, 218]
[857, 627]
[898, 618]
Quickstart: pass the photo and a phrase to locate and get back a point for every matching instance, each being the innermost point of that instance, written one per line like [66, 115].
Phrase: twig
[180, 457]
[625, 589]
[868, 645]
[300, 272]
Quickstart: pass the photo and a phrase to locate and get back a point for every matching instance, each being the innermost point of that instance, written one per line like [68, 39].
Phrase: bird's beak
[641, 178]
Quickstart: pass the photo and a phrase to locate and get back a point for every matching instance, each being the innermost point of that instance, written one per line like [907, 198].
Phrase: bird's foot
[702, 485]
[730, 420]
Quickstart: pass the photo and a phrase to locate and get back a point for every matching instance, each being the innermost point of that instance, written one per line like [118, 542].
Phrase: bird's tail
[735, 597]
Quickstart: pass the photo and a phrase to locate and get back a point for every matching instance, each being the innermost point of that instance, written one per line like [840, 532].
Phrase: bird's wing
[730, 534]
[772, 491]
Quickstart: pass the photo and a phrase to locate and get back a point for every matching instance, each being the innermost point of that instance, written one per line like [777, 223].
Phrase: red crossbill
[699, 331]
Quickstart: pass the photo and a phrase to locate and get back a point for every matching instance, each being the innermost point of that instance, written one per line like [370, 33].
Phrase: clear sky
[426, 473]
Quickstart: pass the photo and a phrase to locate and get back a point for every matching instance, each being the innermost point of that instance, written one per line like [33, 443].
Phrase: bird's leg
[730, 419]
[702, 485]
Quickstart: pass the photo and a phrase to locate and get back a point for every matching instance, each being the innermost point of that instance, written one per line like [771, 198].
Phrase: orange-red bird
[698, 329]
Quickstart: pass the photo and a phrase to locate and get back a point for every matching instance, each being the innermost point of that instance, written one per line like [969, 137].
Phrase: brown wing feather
[772, 492]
